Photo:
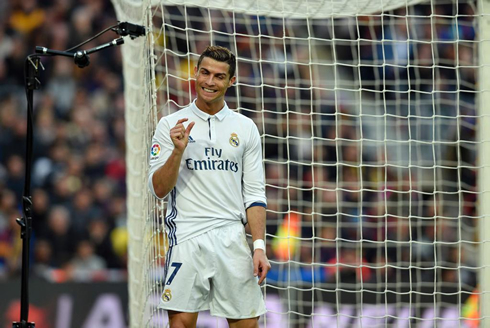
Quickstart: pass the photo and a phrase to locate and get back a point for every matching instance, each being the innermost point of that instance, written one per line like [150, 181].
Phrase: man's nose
[210, 80]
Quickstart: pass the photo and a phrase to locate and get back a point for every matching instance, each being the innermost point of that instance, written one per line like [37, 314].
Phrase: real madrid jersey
[220, 173]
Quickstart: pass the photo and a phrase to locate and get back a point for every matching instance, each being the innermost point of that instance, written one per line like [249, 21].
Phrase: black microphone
[133, 30]
[81, 57]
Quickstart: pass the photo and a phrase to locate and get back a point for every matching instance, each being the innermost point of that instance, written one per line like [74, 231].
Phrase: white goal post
[484, 155]
[373, 117]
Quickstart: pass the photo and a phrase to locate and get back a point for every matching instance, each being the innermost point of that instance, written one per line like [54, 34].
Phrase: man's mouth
[209, 90]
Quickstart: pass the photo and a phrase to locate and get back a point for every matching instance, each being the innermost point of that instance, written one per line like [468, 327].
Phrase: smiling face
[212, 81]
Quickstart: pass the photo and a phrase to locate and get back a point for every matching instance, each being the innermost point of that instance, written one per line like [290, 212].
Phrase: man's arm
[165, 178]
[256, 220]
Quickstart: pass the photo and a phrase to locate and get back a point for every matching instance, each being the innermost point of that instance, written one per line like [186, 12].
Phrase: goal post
[140, 111]
[484, 163]
[372, 119]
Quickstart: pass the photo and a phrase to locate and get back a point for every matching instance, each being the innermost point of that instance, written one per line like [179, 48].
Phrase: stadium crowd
[314, 189]
[78, 174]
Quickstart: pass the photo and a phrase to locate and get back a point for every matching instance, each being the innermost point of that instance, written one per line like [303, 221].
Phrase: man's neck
[210, 109]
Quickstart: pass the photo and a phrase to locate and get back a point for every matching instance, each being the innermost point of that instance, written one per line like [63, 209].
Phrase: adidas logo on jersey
[191, 140]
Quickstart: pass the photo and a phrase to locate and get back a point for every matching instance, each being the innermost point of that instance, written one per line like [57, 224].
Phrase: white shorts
[213, 271]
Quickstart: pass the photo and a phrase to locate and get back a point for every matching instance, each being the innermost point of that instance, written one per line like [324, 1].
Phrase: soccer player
[208, 158]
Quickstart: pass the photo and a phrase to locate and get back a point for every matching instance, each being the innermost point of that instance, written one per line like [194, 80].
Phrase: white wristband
[259, 244]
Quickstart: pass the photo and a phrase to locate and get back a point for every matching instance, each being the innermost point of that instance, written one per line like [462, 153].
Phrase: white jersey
[220, 174]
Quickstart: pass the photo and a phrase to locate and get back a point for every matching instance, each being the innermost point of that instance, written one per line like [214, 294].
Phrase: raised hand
[180, 134]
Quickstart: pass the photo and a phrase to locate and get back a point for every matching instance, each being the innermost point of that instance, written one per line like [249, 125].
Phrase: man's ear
[195, 71]
[232, 81]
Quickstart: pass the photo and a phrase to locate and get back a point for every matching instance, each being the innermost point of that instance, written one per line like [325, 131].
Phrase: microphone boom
[133, 30]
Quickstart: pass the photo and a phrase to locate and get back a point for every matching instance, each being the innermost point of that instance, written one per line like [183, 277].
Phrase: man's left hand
[261, 265]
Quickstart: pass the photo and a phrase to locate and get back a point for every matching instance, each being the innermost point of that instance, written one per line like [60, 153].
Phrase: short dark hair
[220, 54]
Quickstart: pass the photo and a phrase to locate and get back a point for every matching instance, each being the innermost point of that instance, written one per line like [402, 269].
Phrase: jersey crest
[167, 295]
[234, 141]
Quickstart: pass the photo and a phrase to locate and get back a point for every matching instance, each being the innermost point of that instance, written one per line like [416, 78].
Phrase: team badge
[167, 295]
[155, 150]
[234, 141]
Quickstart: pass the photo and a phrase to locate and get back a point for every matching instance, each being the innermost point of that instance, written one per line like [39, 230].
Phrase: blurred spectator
[326, 245]
[95, 161]
[11, 125]
[62, 86]
[82, 210]
[349, 268]
[15, 63]
[99, 236]
[27, 17]
[85, 263]
[41, 204]
[15, 175]
[10, 244]
[60, 234]
[43, 259]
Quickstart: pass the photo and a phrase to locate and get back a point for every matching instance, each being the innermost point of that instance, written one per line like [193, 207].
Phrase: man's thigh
[235, 293]
[244, 323]
[182, 319]
[186, 286]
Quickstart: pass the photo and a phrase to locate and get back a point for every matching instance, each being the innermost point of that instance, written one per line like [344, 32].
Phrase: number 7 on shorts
[177, 266]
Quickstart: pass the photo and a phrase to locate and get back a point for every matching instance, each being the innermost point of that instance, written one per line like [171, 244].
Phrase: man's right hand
[180, 135]
[165, 178]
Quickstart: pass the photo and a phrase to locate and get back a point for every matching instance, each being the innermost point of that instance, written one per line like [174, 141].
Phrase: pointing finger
[182, 120]
[189, 128]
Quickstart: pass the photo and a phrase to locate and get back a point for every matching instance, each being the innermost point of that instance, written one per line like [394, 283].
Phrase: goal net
[375, 169]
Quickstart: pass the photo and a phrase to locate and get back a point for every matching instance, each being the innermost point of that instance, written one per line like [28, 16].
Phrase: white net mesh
[367, 112]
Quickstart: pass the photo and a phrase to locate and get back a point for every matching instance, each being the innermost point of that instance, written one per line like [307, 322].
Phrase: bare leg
[244, 323]
[182, 319]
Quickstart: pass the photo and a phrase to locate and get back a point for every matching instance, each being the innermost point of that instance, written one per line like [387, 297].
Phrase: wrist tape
[259, 244]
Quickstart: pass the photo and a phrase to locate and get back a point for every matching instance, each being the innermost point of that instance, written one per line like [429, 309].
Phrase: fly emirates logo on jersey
[212, 162]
